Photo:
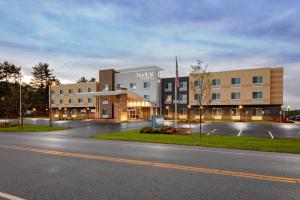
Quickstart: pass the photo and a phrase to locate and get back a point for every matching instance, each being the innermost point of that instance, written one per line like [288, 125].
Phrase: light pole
[240, 107]
[50, 103]
[87, 111]
[21, 117]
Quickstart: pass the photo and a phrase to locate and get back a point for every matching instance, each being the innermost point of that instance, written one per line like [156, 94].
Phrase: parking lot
[88, 128]
[266, 130]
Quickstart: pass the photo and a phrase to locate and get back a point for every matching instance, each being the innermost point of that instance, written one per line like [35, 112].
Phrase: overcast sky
[77, 38]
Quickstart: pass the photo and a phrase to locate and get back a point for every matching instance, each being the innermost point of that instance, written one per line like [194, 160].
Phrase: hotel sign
[145, 75]
[157, 121]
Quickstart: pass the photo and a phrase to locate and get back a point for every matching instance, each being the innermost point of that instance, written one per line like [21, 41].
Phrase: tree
[200, 81]
[42, 78]
[82, 80]
[92, 80]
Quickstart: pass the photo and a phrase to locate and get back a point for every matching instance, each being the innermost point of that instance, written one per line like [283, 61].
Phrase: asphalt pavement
[70, 168]
[88, 128]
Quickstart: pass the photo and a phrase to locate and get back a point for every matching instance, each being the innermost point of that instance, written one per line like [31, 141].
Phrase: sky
[77, 38]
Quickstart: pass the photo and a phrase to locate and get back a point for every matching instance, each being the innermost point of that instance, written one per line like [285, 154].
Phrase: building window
[52, 101]
[132, 86]
[216, 96]
[257, 95]
[257, 80]
[217, 111]
[71, 101]
[235, 112]
[257, 112]
[80, 90]
[90, 100]
[196, 97]
[70, 91]
[52, 91]
[216, 83]
[89, 89]
[80, 100]
[183, 86]
[105, 87]
[235, 96]
[197, 84]
[183, 98]
[146, 96]
[61, 101]
[168, 99]
[146, 85]
[168, 87]
[61, 92]
[235, 82]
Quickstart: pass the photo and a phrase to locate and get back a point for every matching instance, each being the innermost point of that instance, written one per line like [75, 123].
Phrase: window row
[71, 101]
[257, 112]
[71, 91]
[132, 86]
[182, 99]
[183, 85]
[234, 96]
[235, 82]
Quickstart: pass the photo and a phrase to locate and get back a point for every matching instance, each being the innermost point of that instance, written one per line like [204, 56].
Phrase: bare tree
[201, 85]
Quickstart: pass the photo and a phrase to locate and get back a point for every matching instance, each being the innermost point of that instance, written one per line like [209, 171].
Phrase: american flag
[177, 75]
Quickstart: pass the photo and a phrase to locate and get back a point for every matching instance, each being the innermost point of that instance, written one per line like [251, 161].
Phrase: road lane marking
[9, 196]
[271, 134]
[158, 164]
[240, 133]
[212, 131]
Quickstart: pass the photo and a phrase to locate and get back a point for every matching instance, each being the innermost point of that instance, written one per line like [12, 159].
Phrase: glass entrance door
[132, 114]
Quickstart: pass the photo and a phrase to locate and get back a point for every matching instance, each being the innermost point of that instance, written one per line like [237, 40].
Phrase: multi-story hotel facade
[66, 101]
[138, 93]
[248, 94]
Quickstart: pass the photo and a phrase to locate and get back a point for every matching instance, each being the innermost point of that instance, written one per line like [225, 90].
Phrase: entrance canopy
[133, 99]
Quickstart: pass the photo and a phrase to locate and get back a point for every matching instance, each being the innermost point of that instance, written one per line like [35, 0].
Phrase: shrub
[164, 129]
[157, 131]
[146, 129]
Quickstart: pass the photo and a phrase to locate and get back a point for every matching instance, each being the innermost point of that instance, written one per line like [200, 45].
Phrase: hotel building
[137, 93]
[249, 94]
[67, 103]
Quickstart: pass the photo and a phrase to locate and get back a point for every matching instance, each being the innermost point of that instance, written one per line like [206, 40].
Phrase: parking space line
[240, 133]
[271, 134]
[212, 131]
[9, 197]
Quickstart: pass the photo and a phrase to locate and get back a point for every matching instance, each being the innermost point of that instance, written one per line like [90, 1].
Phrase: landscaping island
[32, 128]
[245, 143]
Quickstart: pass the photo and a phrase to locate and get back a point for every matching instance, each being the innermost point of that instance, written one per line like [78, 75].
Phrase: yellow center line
[158, 164]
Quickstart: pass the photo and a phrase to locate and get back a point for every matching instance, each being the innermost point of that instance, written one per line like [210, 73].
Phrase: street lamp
[50, 102]
[87, 110]
[240, 107]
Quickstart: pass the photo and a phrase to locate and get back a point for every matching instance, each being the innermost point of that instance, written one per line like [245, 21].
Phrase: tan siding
[272, 86]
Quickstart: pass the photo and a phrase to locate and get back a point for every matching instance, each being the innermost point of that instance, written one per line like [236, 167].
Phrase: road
[43, 166]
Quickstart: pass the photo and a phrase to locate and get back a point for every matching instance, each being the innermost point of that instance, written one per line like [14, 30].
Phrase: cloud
[77, 37]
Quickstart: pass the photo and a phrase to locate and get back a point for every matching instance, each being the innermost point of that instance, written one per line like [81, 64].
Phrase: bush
[146, 129]
[157, 131]
[164, 129]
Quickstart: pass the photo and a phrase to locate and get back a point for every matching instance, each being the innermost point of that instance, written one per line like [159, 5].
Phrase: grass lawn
[32, 128]
[247, 143]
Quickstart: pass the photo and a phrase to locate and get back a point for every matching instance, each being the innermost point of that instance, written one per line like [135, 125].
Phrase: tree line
[34, 94]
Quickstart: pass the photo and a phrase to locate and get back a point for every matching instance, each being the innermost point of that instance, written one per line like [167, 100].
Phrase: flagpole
[176, 92]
